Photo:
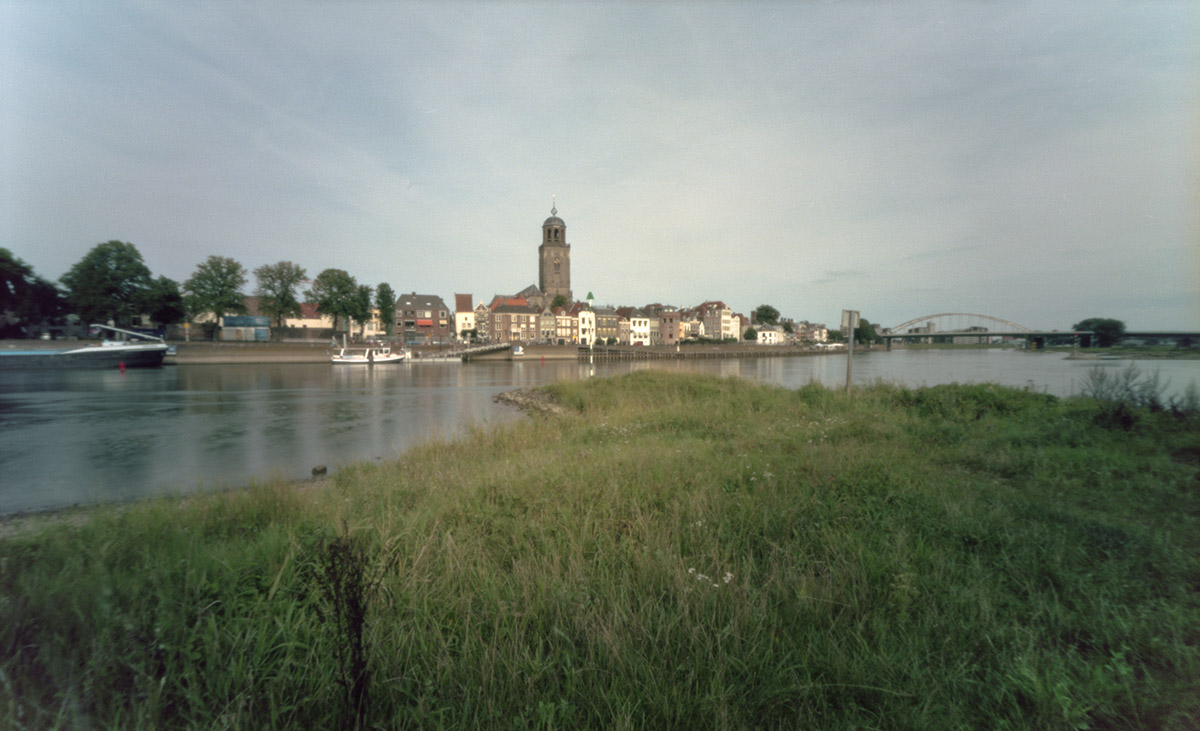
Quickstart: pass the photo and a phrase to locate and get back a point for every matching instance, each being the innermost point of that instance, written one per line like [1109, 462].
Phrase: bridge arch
[961, 322]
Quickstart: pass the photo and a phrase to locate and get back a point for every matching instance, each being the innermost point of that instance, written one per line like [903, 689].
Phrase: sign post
[849, 323]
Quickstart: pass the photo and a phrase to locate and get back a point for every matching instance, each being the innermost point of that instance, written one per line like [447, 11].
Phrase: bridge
[973, 329]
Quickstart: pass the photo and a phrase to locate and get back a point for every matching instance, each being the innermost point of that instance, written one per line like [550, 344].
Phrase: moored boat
[366, 355]
[109, 353]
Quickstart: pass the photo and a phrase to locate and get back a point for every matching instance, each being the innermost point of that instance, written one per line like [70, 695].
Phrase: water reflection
[83, 436]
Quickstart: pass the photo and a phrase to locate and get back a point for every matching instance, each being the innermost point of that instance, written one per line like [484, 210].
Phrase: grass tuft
[673, 551]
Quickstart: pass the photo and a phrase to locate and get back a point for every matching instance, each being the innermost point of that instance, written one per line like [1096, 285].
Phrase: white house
[587, 327]
[768, 335]
[639, 328]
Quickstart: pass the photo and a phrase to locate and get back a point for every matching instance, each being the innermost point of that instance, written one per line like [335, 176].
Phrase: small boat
[109, 353]
[367, 355]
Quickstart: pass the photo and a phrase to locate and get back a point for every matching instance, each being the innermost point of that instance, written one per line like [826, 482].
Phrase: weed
[734, 556]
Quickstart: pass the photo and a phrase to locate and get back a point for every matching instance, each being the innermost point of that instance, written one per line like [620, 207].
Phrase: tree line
[112, 283]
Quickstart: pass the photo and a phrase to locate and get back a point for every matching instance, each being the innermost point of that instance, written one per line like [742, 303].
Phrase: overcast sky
[1034, 162]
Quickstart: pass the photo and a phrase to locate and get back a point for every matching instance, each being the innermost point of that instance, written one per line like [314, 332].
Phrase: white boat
[123, 353]
[366, 355]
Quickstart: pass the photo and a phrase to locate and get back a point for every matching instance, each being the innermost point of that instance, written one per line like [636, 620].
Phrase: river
[78, 437]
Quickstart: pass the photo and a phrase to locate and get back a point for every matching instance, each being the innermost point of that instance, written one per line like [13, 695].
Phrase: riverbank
[738, 556]
[195, 353]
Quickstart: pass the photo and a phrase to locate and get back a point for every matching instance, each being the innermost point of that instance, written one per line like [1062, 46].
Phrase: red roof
[499, 301]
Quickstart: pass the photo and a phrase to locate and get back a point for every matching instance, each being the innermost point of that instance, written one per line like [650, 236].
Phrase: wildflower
[727, 578]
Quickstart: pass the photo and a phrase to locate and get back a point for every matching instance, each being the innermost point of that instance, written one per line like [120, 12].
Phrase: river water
[77, 437]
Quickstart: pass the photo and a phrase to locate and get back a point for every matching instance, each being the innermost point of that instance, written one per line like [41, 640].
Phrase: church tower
[554, 259]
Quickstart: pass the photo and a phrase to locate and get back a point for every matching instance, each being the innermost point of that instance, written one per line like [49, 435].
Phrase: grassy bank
[672, 552]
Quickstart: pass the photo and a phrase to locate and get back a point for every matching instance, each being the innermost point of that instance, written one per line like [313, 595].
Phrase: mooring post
[849, 322]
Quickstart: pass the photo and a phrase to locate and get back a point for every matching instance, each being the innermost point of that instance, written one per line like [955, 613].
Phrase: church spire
[553, 205]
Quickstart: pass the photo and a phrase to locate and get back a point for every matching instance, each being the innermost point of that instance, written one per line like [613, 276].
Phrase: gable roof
[522, 309]
[501, 300]
[462, 303]
[425, 301]
[530, 291]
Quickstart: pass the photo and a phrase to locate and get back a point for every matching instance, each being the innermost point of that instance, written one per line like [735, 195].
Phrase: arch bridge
[968, 328]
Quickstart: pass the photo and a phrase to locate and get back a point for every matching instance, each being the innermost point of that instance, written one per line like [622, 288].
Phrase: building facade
[423, 319]
[464, 314]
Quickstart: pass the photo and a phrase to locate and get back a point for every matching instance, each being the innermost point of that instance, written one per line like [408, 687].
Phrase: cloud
[905, 157]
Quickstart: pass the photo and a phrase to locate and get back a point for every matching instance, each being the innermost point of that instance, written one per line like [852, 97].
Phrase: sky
[1035, 162]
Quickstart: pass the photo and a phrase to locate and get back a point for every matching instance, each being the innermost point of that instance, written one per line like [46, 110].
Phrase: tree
[216, 287]
[1108, 331]
[750, 334]
[109, 283]
[360, 309]
[26, 298]
[385, 300]
[276, 290]
[560, 300]
[164, 302]
[766, 314]
[334, 291]
[865, 332]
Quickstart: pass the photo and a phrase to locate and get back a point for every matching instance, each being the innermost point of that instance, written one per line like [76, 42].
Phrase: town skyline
[1034, 164]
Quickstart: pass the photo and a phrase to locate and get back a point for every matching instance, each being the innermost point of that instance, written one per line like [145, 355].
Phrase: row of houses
[513, 319]
[423, 319]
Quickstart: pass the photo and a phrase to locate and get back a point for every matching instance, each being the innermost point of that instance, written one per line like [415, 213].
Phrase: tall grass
[677, 551]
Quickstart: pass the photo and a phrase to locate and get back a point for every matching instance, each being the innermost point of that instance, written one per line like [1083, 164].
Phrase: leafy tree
[750, 334]
[164, 302]
[360, 310]
[385, 300]
[865, 332]
[560, 300]
[216, 287]
[24, 296]
[276, 290]
[766, 314]
[787, 328]
[14, 278]
[835, 336]
[334, 291]
[1108, 331]
[109, 283]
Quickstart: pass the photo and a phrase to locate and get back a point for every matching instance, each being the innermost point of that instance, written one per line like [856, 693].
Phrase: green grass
[676, 552]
